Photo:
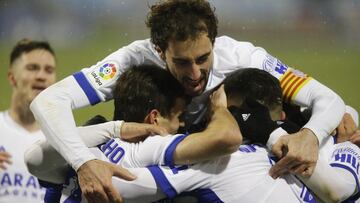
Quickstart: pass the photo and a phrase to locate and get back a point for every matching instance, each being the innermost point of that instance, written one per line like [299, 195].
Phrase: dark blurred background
[319, 37]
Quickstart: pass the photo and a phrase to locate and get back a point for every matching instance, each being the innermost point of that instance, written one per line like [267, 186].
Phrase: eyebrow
[185, 59]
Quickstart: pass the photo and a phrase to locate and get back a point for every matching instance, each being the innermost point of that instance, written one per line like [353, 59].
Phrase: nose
[195, 72]
[41, 75]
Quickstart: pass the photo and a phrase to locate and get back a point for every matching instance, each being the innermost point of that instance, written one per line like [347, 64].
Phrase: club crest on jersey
[104, 73]
[271, 64]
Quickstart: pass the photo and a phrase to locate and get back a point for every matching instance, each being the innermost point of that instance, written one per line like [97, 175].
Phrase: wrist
[85, 165]
[274, 137]
[117, 128]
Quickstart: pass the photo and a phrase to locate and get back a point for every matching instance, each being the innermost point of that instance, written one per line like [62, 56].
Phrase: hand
[355, 138]
[4, 158]
[298, 154]
[95, 181]
[346, 129]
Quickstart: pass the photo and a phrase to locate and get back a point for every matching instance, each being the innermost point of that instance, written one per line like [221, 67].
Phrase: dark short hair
[143, 88]
[26, 46]
[254, 84]
[180, 20]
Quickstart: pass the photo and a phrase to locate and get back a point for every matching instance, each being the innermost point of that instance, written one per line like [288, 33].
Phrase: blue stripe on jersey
[53, 191]
[87, 88]
[169, 152]
[355, 176]
[162, 181]
[207, 195]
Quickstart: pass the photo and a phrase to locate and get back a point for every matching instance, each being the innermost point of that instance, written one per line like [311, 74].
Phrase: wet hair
[256, 85]
[26, 46]
[180, 20]
[143, 88]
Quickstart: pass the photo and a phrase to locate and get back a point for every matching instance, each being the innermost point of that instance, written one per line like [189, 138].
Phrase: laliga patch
[271, 64]
[104, 73]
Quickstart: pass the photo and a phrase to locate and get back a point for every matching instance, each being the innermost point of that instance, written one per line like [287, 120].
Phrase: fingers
[349, 123]
[4, 159]
[95, 180]
[94, 194]
[355, 138]
[123, 173]
[279, 147]
[112, 193]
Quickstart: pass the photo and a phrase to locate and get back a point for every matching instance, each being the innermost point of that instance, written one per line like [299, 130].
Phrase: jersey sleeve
[98, 81]
[53, 107]
[347, 157]
[299, 88]
[157, 150]
[175, 180]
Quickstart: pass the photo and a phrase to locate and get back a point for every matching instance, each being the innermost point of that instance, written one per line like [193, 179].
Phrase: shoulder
[226, 42]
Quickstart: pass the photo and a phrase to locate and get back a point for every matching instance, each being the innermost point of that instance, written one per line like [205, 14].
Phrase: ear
[11, 78]
[160, 52]
[283, 115]
[152, 117]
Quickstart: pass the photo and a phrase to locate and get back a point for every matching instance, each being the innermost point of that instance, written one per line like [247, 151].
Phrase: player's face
[32, 72]
[173, 121]
[190, 62]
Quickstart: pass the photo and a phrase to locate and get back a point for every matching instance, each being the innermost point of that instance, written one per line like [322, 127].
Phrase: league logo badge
[107, 71]
[103, 74]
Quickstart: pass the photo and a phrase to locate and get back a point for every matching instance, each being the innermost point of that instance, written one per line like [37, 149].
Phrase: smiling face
[31, 73]
[190, 61]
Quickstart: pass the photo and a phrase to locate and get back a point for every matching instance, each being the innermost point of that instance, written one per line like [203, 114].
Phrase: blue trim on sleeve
[162, 181]
[169, 152]
[356, 196]
[87, 88]
[207, 196]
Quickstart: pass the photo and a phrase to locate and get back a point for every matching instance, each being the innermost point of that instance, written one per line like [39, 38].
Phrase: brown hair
[180, 20]
[26, 46]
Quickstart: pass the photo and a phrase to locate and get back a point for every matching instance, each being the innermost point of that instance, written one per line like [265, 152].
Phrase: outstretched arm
[221, 137]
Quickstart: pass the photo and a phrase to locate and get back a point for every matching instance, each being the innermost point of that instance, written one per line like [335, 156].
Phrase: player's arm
[221, 137]
[47, 164]
[53, 109]
[327, 111]
[332, 184]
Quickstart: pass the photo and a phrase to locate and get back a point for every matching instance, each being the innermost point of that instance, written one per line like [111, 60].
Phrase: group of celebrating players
[195, 116]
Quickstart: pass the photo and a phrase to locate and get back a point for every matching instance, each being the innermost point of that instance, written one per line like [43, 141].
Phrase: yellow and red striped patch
[292, 82]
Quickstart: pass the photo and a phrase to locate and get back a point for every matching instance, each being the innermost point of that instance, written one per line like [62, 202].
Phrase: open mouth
[38, 88]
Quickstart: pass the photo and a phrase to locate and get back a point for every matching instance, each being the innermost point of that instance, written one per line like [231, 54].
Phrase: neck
[20, 112]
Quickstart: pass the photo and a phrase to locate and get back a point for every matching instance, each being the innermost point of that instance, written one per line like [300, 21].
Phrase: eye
[32, 67]
[49, 69]
[182, 63]
[202, 60]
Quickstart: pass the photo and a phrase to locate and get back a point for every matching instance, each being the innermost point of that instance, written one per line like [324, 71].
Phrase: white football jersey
[16, 183]
[153, 150]
[241, 177]
[98, 81]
